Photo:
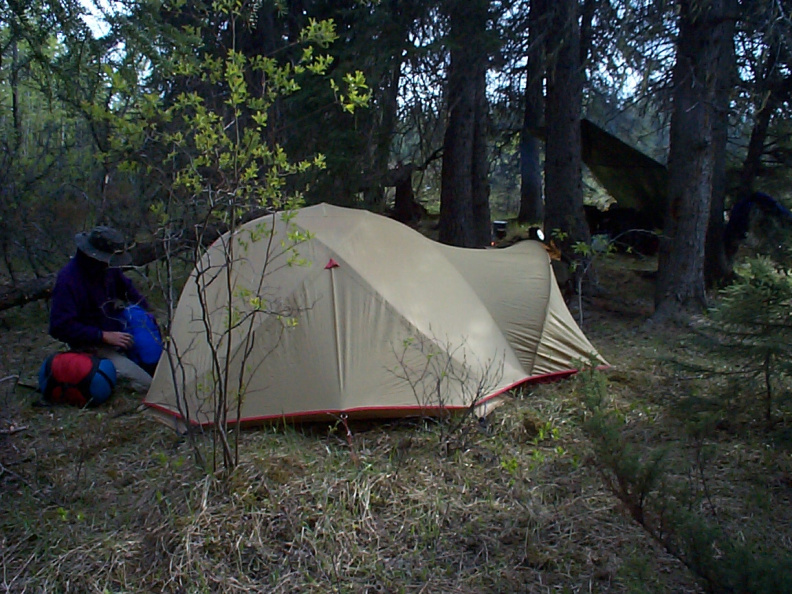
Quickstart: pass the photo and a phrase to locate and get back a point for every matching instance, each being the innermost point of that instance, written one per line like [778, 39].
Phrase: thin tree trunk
[767, 104]
[756, 144]
[587, 10]
[716, 264]
[531, 199]
[402, 15]
[15, 111]
[374, 194]
[482, 219]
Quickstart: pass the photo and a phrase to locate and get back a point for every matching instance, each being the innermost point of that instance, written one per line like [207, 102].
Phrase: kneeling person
[88, 302]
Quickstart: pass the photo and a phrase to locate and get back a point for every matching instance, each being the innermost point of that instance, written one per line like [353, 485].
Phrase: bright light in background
[94, 17]
[99, 15]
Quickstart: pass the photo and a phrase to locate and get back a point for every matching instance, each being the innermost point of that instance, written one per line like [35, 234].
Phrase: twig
[11, 430]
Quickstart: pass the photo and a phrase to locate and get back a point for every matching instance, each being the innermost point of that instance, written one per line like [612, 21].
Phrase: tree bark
[405, 208]
[383, 136]
[767, 104]
[680, 282]
[395, 35]
[752, 165]
[563, 153]
[15, 110]
[716, 265]
[464, 196]
[531, 198]
[26, 292]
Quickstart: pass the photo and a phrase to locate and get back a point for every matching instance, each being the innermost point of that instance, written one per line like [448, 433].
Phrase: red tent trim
[372, 412]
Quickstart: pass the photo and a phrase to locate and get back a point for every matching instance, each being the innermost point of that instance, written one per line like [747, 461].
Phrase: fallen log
[28, 291]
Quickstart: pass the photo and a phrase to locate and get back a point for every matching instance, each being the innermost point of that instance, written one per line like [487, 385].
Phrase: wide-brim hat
[104, 244]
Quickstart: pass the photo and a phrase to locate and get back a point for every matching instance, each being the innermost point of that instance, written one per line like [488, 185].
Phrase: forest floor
[110, 500]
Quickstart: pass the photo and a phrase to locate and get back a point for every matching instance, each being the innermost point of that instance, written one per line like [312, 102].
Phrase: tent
[634, 179]
[336, 311]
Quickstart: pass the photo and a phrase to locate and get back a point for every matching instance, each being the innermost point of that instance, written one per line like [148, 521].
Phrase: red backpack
[78, 379]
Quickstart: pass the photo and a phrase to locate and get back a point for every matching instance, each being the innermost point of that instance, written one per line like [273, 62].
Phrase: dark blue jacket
[88, 299]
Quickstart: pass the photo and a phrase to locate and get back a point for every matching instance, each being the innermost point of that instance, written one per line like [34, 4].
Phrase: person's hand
[118, 339]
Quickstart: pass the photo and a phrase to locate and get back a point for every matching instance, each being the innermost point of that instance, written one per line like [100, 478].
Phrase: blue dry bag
[148, 340]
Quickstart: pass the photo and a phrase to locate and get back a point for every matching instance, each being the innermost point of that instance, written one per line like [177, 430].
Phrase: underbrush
[111, 501]
[601, 483]
[704, 496]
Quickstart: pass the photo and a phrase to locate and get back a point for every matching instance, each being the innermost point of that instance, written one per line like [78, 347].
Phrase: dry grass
[109, 500]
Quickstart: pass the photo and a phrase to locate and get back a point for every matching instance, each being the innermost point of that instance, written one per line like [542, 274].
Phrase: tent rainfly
[339, 311]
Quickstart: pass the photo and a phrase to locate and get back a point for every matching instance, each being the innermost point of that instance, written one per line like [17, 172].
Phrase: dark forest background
[467, 110]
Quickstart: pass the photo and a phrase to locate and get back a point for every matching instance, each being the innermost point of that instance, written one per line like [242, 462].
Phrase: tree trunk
[680, 282]
[464, 196]
[752, 164]
[405, 208]
[395, 35]
[26, 292]
[587, 10]
[531, 199]
[383, 136]
[563, 153]
[716, 265]
[767, 101]
[16, 139]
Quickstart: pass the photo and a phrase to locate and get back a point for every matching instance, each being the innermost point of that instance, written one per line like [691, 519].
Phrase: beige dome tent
[340, 311]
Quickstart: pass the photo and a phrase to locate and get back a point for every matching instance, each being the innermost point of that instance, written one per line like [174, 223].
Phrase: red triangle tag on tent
[331, 264]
